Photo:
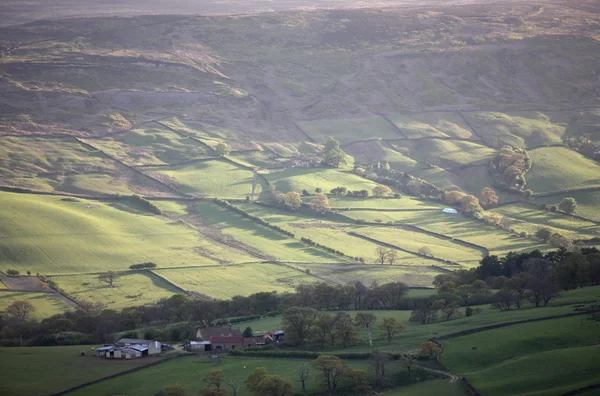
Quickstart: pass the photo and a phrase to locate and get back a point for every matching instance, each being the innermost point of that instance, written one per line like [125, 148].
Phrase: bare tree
[303, 371]
[381, 255]
[20, 309]
[391, 256]
[235, 387]
[366, 320]
[109, 277]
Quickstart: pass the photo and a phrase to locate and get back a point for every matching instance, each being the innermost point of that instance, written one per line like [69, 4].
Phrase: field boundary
[185, 135]
[582, 390]
[389, 245]
[116, 375]
[513, 323]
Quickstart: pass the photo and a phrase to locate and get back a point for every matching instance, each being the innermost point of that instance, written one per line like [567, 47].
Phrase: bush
[523, 234]
[147, 204]
[148, 265]
[12, 272]
[553, 208]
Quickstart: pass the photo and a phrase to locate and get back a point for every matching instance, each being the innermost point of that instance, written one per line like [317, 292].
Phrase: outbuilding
[450, 211]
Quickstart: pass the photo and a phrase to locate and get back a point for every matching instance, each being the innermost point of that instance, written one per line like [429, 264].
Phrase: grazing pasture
[212, 179]
[567, 348]
[587, 202]
[129, 289]
[517, 129]
[53, 235]
[559, 168]
[227, 281]
[22, 365]
[152, 145]
[45, 304]
[298, 179]
[373, 151]
[445, 153]
[432, 124]
[350, 130]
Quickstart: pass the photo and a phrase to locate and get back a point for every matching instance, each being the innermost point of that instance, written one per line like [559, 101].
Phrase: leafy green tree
[333, 155]
[274, 385]
[390, 327]
[214, 379]
[332, 369]
[430, 349]
[544, 233]
[323, 328]
[252, 383]
[222, 149]
[568, 205]
[345, 330]
[361, 385]
[297, 323]
[247, 332]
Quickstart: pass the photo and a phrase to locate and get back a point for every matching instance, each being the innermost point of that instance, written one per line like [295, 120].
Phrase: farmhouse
[205, 334]
[129, 348]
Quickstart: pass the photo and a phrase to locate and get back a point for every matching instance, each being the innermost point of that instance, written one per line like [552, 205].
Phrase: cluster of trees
[242, 212]
[290, 201]
[389, 177]
[94, 324]
[307, 326]
[344, 191]
[332, 154]
[147, 204]
[332, 371]
[468, 204]
[508, 168]
[384, 255]
[585, 146]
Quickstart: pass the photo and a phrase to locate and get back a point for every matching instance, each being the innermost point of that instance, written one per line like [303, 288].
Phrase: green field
[212, 179]
[350, 130]
[130, 289]
[50, 235]
[260, 241]
[152, 145]
[519, 129]
[587, 202]
[406, 202]
[558, 168]
[430, 388]
[445, 153]
[23, 365]
[298, 179]
[370, 152]
[568, 349]
[188, 372]
[227, 281]
[440, 124]
[529, 219]
[45, 304]
[475, 178]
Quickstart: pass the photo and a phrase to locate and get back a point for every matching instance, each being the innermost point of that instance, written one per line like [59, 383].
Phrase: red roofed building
[226, 343]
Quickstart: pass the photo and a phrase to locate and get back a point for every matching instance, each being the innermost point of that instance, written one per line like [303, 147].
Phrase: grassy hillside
[54, 235]
[45, 304]
[414, 126]
[298, 179]
[587, 202]
[370, 152]
[557, 168]
[349, 130]
[565, 346]
[130, 289]
[445, 153]
[518, 129]
[227, 281]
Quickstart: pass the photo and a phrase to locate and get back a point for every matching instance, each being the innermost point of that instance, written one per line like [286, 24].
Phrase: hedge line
[310, 242]
[298, 354]
[148, 265]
